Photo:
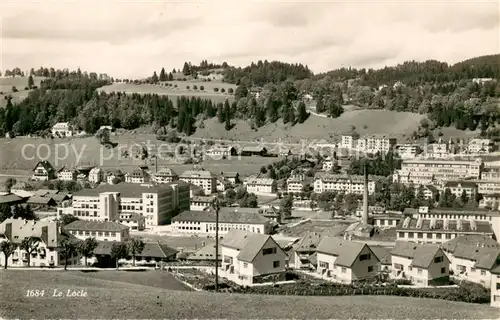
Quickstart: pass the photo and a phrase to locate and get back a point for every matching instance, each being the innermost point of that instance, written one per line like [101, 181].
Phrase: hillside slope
[397, 124]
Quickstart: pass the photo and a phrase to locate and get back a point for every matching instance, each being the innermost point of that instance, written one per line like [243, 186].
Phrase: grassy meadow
[396, 124]
[6, 84]
[88, 151]
[155, 295]
[181, 89]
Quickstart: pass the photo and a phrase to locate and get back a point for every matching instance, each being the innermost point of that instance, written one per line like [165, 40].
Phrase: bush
[202, 88]
[222, 90]
[230, 90]
[195, 87]
[187, 87]
[26, 88]
[14, 89]
[216, 89]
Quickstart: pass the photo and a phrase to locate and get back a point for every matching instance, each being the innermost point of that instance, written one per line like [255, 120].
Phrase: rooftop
[481, 226]
[95, 226]
[248, 243]
[151, 249]
[225, 216]
[309, 242]
[127, 190]
[485, 258]
[422, 255]
[197, 173]
[345, 251]
[474, 240]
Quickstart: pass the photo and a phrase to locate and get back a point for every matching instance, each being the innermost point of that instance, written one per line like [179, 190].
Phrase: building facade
[342, 183]
[202, 178]
[99, 230]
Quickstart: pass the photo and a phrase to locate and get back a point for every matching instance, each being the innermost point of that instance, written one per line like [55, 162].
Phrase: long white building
[155, 203]
[342, 183]
[201, 178]
[426, 171]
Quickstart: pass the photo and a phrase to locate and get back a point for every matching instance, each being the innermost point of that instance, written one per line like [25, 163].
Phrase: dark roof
[151, 249]
[230, 174]
[10, 198]
[134, 216]
[47, 200]
[248, 243]
[95, 226]
[482, 226]
[462, 184]
[207, 199]
[485, 258]
[59, 197]
[254, 149]
[309, 242]
[345, 251]
[474, 240]
[205, 253]
[233, 216]
[127, 190]
[46, 165]
[422, 255]
[382, 253]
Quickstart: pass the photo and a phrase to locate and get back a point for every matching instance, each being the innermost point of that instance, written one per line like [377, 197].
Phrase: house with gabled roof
[49, 237]
[164, 175]
[99, 230]
[67, 174]
[138, 175]
[305, 253]
[248, 255]
[422, 264]
[43, 171]
[96, 175]
[114, 176]
[346, 261]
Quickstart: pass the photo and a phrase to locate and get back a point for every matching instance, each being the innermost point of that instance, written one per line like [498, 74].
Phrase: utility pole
[216, 208]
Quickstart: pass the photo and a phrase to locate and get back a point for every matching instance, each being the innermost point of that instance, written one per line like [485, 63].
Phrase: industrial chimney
[365, 196]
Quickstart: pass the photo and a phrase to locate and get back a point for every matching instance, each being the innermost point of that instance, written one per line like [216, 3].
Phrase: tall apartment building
[157, 204]
[342, 183]
[348, 141]
[375, 143]
[426, 171]
[201, 178]
[165, 175]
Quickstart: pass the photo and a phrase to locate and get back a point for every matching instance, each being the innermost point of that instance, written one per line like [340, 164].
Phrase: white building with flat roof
[342, 183]
[201, 178]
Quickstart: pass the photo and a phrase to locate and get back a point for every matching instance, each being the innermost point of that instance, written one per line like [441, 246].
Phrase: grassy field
[396, 124]
[327, 228]
[115, 295]
[20, 83]
[13, 161]
[181, 90]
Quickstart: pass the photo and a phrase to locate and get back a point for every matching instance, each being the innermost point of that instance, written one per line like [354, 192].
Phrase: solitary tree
[286, 206]
[87, 247]
[67, 249]
[154, 78]
[31, 83]
[119, 251]
[135, 247]
[30, 245]
[7, 248]
[302, 112]
[163, 76]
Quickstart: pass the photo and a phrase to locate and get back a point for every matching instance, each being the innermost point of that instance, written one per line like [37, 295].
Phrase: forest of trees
[446, 93]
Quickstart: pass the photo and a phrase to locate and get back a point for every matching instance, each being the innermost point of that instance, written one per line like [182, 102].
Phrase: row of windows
[420, 235]
[80, 213]
[93, 233]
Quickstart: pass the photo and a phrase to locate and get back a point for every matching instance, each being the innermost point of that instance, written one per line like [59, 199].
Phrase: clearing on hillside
[366, 122]
[6, 84]
[180, 90]
[116, 296]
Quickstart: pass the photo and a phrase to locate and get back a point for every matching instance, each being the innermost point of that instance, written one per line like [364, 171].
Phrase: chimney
[365, 197]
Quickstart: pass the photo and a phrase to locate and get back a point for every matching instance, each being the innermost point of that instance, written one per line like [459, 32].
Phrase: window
[245, 265]
[398, 266]
[344, 270]
[370, 269]
[438, 259]
[269, 251]
[410, 268]
[483, 272]
[419, 271]
[276, 264]
[364, 257]
[443, 270]
[323, 264]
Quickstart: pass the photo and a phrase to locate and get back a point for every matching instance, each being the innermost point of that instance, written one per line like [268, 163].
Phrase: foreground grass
[110, 296]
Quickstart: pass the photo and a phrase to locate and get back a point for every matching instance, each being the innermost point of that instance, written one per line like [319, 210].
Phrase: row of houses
[50, 234]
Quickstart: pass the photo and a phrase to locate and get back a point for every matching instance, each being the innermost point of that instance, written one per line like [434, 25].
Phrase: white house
[96, 175]
[480, 146]
[200, 203]
[247, 255]
[473, 257]
[458, 187]
[138, 175]
[133, 220]
[48, 235]
[422, 264]
[295, 184]
[346, 261]
[305, 253]
[223, 184]
[203, 222]
[495, 287]
[328, 164]
[342, 183]
[66, 174]
[100, 230]
[261, 185]
[43, 171]
[221, 152]
[165, 175]
[202, 178]
[62, 129]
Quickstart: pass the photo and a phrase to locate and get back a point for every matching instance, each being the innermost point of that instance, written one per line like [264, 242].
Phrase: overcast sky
[134, 38]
